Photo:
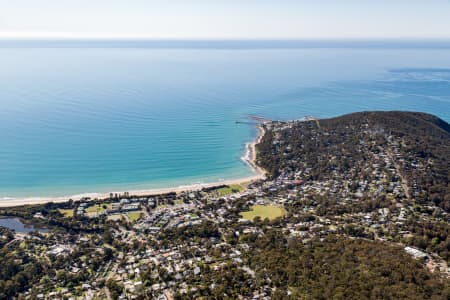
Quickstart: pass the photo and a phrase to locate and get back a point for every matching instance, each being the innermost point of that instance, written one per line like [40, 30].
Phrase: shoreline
[250, 152]
[249, 158]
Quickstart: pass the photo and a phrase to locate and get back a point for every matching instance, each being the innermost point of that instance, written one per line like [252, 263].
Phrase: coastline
[250, 152]
[249, 158]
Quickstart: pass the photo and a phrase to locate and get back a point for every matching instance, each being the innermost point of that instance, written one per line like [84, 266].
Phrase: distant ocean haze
[77, 120]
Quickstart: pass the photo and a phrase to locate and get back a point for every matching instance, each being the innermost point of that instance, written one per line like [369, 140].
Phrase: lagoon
[18, 226]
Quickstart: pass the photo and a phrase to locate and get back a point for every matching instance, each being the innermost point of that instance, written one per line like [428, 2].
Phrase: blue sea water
[81, 118]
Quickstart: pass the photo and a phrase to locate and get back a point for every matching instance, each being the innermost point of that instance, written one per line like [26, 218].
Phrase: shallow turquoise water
[75, 120]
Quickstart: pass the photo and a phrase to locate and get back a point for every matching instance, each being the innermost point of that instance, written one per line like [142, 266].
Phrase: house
[416, 253]
[130, 207]
[57, 250]
[124, 201]
[38, 215]
[197, 271]
[115, 206]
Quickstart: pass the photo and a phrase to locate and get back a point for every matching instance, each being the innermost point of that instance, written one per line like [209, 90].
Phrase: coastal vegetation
[342, 268]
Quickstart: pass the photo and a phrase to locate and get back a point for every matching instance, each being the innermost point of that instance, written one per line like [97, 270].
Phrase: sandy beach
[249, 158]
[250, 153]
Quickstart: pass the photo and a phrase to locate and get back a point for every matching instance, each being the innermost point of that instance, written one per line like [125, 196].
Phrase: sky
[226, 19]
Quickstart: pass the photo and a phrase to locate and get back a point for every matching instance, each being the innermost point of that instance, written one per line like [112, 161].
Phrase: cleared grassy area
[227, 190]
[98, 208]
[270, 212]
[68, 213]
[134, 216]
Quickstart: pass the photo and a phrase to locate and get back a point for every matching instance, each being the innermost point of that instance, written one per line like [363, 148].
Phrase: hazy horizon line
[223, 43]
[119, 38]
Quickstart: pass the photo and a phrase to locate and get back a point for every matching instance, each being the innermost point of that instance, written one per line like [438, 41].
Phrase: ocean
[84, 117]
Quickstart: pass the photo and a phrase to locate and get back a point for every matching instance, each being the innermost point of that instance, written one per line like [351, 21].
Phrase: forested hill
[405, 151]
